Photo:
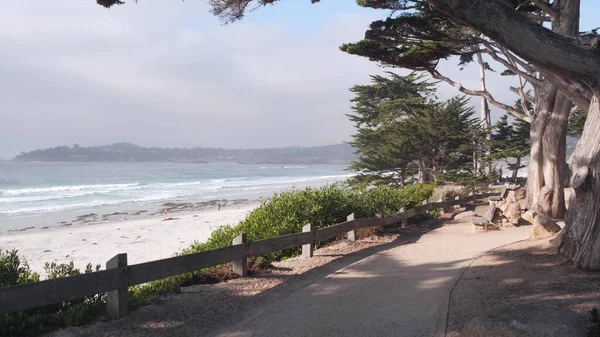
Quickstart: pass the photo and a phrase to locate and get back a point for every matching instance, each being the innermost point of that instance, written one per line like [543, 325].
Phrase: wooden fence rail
[118, 276]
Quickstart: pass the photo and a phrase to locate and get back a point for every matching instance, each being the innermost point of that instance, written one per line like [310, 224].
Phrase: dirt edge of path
[526, 272]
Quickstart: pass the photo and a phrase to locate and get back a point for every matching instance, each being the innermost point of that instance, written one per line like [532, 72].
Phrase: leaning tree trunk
[421, 171]
[547, 157]
[516, 170]
[581, 242]
[546, 173]
[485, 121]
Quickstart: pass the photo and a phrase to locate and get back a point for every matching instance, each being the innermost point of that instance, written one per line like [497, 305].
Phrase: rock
[529, 216]
[520, 194]
[464, 215]
[543, 227]
[511, 197]
[512, 211]
[526, 320]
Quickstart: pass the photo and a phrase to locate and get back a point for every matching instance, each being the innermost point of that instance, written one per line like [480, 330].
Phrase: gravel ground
[523, 272]
[220, 305]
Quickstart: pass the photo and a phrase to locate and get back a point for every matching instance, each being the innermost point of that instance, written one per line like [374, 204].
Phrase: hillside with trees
[125, 152]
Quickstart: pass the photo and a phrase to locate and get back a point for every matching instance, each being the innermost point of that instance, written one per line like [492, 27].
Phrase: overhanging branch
[481, 93]
[546, 7]
[537, 17]
[528, 97]
[530, 78]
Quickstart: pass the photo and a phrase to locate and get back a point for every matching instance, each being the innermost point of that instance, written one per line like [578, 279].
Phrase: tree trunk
[581, 242]
[516, 170]
[421, 172]
[549, 130]
[554, 146]
[547, 155]
[475, 161]
[485, 120]
[535, 176]
[403, 177]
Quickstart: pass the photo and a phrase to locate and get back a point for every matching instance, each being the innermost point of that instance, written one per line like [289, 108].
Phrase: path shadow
[524, 273]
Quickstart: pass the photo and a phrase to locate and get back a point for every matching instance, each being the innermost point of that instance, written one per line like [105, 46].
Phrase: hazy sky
[169, 74]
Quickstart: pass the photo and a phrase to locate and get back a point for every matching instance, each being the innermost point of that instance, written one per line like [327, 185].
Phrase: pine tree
[383, 142]
[510, 143]
[576, 122]
[402, 130]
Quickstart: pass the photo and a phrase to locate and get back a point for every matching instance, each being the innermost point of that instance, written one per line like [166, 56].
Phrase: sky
[170, 74]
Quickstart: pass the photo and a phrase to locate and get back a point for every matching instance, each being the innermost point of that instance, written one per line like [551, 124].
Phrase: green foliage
[576, 122]
[382, 140]
[399, 125]
[37, 321]
[54, 270]
[510, 142]
[287, 212]
[13, 271]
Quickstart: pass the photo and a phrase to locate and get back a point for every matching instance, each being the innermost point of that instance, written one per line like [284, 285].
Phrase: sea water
[45, 189]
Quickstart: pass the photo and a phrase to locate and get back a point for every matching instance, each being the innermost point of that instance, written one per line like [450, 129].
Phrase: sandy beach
[142, 239]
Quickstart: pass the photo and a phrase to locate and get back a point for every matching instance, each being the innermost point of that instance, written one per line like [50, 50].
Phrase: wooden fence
[118, 275]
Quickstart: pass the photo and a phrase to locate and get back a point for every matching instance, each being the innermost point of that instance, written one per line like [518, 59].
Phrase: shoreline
[109, 214]
[143, 239]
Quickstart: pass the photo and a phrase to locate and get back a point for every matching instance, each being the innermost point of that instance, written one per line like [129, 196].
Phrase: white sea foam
[37, 200]
[54, 189]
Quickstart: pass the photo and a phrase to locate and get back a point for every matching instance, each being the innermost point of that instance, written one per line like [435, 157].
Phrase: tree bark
[485, 119]
[554, 147]
[403, 178]
[581, 242]
[421, 171]
[547, 155]
[549, 129]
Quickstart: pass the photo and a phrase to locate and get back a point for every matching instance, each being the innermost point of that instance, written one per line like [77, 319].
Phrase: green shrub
[40, 320]
[15, 271]
[287, 212]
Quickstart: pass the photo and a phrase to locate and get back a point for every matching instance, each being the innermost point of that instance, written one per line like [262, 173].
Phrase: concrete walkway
[402, 291]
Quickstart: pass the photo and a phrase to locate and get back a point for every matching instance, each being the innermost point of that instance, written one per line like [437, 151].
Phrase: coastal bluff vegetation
[126, 152]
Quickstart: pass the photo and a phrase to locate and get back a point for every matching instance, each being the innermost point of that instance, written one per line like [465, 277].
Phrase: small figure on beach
[166, 212]
[219, 205]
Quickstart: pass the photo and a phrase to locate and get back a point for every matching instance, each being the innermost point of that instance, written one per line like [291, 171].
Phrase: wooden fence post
[117, 301]
[352, 233]
[441, 210]
[405, 221]
[308, 249]
[240, 266]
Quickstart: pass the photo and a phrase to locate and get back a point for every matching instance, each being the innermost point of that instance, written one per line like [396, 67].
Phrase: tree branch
[481, 93]
[532, 79]
[548, 51]
[528, 97]
[528, 67]
[546, 7]
[538, 18]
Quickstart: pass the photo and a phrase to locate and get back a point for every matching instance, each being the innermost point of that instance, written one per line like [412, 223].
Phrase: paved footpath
[402, 291]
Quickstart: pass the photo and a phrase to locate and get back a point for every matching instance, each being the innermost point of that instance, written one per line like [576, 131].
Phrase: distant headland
[126, 152]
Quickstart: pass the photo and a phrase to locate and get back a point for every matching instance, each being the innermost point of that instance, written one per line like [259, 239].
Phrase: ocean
[50, 189]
